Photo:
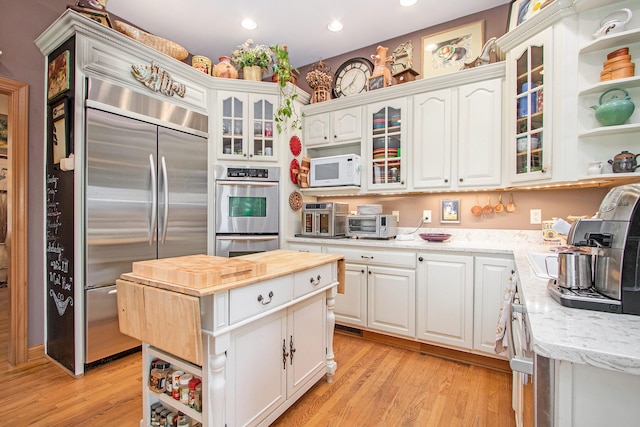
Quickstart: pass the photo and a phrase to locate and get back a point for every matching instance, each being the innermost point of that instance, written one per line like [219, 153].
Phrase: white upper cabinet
[457, 136]
[334, 127]
[479, 124]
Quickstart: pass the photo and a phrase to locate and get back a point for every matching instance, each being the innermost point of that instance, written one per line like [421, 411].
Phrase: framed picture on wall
[521, 10]
[58, 75]
[450, 211]
[4, 131]
[448, 51]
[59, 138]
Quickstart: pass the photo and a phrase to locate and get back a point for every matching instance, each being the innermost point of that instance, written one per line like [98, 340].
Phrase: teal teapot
[615, 111]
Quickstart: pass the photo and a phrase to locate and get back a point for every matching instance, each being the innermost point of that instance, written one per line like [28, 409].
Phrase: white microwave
[335, 171]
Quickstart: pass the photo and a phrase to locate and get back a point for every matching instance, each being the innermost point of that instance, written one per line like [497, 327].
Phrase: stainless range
[247, 213]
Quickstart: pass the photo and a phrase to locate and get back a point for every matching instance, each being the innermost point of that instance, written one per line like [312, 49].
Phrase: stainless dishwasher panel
[103, 337]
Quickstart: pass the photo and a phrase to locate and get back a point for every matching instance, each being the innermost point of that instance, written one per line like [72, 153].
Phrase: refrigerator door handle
[165, 183]
[154, 200]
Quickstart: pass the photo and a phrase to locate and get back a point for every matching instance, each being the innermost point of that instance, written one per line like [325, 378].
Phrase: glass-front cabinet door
[385, 167]
[233, 125]
[247, 126]
[262, 142]
[530, 141]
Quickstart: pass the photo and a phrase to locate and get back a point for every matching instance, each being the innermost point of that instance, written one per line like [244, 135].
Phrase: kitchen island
[257, 330]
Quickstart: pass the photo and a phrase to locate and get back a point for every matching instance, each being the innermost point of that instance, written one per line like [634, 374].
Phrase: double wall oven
[247, 217]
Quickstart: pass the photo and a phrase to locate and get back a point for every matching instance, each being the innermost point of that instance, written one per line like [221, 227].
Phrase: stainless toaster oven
[379, 226]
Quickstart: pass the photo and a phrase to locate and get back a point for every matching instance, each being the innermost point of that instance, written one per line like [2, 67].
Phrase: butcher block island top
[201, 275]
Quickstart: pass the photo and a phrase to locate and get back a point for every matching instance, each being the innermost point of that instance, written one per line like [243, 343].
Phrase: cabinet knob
[420, 259]
[326, 137]
[369, 271]
[461, 179]
[446, 181]
[362, 271]
[335, 136]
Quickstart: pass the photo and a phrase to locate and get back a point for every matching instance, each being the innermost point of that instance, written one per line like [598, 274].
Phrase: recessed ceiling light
[249, 24]
[408, 2]
[335, 26]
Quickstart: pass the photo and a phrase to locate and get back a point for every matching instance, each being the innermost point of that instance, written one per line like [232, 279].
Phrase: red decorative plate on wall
[295, 145]
[294, 170]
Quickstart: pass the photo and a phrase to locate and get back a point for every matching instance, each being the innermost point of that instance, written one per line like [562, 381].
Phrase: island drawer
[312, 279]
[375, 257]
[253, 299]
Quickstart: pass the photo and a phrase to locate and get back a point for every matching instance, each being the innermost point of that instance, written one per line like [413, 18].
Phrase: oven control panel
[254, 174]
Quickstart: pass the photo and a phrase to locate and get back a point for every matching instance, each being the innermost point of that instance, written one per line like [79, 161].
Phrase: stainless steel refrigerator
[146, 198]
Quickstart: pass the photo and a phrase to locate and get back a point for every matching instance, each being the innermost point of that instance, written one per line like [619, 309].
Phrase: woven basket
[165, 46]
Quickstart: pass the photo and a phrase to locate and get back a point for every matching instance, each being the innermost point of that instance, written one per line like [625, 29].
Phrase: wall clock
[352, 76]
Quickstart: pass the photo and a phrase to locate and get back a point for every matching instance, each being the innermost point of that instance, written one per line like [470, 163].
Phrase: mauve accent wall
[21, 22]
[495, 25]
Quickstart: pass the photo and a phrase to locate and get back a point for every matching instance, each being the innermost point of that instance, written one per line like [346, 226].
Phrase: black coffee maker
[613, 238]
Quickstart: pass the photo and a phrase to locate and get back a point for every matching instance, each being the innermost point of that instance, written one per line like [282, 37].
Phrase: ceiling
[212, 28]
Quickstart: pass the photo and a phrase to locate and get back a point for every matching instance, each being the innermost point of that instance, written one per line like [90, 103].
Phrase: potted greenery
[252, 59]
[282, 74]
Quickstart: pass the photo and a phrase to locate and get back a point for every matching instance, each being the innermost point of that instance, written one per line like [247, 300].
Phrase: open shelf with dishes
[598, 142]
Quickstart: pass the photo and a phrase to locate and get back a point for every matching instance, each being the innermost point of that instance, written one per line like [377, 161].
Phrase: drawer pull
[262, 301]
[315, 282]
[292, 349]
[284, 354]
[366, 257]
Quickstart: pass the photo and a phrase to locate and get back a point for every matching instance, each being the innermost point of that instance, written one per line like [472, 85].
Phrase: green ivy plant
[284, 72]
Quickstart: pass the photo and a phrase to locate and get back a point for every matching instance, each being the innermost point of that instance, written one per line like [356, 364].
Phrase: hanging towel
[504, 315]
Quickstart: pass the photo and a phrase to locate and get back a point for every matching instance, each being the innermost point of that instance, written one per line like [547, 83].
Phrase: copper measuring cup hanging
[488, 208]
[476, 210]
[499, 207]
[511, 206]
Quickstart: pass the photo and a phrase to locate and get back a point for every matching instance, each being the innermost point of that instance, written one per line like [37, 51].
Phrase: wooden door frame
[17, 197]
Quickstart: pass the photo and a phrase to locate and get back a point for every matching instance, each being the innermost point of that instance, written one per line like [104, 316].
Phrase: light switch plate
[397, 214]
[535, 216]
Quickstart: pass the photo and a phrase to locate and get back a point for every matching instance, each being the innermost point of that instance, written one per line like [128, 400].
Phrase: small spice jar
[175, 384]
[192, 392]
[184, 388]
[168, 389]
[158, 376]
[183, 420]
[198, 398]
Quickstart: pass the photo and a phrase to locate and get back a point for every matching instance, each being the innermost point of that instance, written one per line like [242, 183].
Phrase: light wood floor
[375, 385]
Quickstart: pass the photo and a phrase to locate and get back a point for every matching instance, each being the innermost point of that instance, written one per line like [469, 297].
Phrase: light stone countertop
[604, 340]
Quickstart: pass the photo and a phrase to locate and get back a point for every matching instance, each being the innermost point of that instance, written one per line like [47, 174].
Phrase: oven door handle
[257, 238]
[516, 362]
[247, 184]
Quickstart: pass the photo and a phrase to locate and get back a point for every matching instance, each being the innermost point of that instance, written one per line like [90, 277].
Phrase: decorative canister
[224, 69]
[549, 235]
[201, 63]
[252, 73]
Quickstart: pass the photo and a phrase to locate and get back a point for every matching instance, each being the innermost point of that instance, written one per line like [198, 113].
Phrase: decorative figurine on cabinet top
[380, 60]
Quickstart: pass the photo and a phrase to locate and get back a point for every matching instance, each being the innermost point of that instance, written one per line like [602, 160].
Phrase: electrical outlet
[535, 216]
[397, 214]
[426, 216]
